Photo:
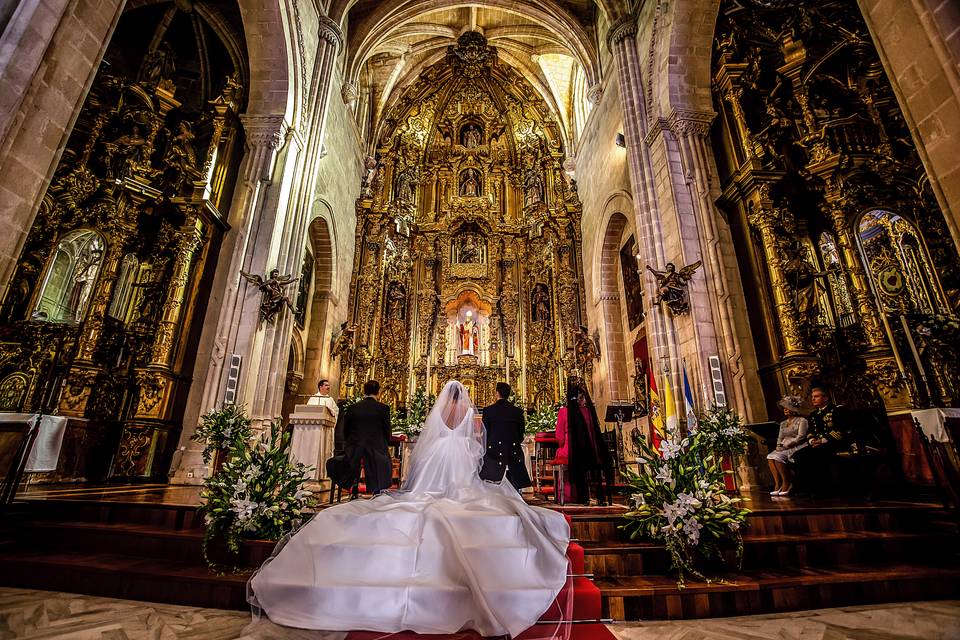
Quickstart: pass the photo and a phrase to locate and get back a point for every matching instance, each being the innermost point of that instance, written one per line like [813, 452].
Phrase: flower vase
[729, 473]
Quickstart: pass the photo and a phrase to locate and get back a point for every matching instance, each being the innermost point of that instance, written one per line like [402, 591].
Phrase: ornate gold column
[764, 218]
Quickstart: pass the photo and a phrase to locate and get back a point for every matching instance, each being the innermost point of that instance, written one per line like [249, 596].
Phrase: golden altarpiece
[854, 274]
[468, 262]
[110, 288]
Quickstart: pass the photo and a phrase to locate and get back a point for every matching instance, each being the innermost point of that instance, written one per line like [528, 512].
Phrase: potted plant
[220, 431]
[682, 503]
[258, 494]
[721, 433]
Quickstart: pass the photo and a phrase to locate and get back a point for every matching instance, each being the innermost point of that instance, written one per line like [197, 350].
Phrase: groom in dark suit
[504, 423]
[366, 430]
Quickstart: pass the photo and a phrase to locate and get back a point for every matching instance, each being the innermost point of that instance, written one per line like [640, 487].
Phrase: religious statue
[84, 277]
[586, 351]
[405, 185]
[396, 298]
[672, 286]
[181, 157]
[343, 341]
[158, 66]
[805, 281]
[370, 171]
[469, 252]
[125, 154]
[470, 136]
[532, 187]
[639, 388]
[540, 303]
[469, 185]
[272, 297]
[469, 335]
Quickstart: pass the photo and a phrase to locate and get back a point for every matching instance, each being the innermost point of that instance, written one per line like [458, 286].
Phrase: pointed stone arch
[319, 329]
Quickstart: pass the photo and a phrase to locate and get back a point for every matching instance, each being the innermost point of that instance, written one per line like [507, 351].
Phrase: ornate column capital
[264, 130]
[330, 31]
[349, 92]
[625, 27]
[594, 94]
[685, 123]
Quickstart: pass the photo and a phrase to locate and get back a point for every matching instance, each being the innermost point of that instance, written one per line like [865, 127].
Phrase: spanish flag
[670, 411]
[656, 415]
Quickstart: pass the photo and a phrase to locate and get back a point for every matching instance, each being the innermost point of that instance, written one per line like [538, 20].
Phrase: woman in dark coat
[589, 459]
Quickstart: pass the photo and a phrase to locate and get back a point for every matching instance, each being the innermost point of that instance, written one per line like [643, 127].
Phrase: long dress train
[447, 552]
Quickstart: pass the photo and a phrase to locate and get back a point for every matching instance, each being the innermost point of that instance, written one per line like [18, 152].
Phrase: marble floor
[36, 615]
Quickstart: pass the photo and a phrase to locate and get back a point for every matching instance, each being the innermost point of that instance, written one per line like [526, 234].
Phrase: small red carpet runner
[586, 623]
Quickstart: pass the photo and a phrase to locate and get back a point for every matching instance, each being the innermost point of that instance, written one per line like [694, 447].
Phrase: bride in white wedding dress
[445, 553]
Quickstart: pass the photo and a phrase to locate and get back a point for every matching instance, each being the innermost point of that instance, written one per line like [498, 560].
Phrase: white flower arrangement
[258, 494]
[682, 502]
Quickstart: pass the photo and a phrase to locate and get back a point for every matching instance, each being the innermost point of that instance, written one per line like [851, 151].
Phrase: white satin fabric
[448, 552]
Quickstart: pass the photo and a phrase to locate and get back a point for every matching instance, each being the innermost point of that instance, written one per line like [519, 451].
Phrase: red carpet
[586, 614]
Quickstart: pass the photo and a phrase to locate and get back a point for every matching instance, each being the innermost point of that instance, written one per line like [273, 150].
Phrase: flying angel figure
[272, 298]
[672, 286]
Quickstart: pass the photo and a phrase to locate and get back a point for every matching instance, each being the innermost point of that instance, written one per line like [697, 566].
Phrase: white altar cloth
[45, 453]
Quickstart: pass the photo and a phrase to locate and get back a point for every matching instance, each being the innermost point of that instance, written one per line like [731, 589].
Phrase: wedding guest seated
[830, 433]
[792, 438]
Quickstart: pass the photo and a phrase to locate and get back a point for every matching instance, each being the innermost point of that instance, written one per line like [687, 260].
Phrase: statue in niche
[532, 187]
[84, 276]
[470, 183]
[159, 67]
[272, 299]
[540, 303]
[343, 341]
[125, 154]
[468, 333]
[470, 136]
[672, 286]
[806, 282]
[181, 157]
[468, 251]
[396, 299]
[404, 188]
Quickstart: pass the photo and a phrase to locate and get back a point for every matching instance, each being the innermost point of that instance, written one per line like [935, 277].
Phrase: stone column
[730, 337]
[190, 238]
[622, 42]
[268, 389]
[231, 315]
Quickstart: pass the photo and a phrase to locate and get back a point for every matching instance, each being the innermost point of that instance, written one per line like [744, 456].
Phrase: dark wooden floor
[144, 542]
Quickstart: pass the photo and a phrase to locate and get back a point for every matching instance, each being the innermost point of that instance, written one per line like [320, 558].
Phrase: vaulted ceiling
[553, 43]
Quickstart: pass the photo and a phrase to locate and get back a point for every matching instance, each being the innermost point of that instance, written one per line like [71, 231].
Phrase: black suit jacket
[366, 431]
[504, 423]
[367, 423]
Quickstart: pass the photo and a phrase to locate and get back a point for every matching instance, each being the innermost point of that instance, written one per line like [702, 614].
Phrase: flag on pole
[688, 403]
[656, 416]
[671, 421]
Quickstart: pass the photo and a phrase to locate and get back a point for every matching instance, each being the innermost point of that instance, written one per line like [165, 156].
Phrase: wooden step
[777, 550]
[767, 591]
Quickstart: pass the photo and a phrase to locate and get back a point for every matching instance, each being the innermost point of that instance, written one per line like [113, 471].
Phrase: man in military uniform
[830, 429]
[830, 433]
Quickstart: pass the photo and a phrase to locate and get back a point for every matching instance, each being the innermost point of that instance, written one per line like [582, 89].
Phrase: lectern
[312, 442]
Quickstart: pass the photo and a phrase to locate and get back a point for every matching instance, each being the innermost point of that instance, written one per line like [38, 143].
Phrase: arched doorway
[319, 335]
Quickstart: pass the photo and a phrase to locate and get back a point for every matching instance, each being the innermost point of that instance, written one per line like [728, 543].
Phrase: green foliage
[222, 430]
[721, 432]
[417, 410]
[542, 419]
[258, 494]
[681, 502]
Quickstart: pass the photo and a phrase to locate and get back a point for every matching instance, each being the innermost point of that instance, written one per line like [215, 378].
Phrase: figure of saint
[273, 298]
[83, 278]
[470, 136]
[540, 307]
[805, 280]
[469, 335]
[125, 154]
[469, 251]
[343, 342]
[405, 184]
[672, 286]
[532, 187]
[181, 157]
[396, 296]
[469, 188]
[159, 65]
